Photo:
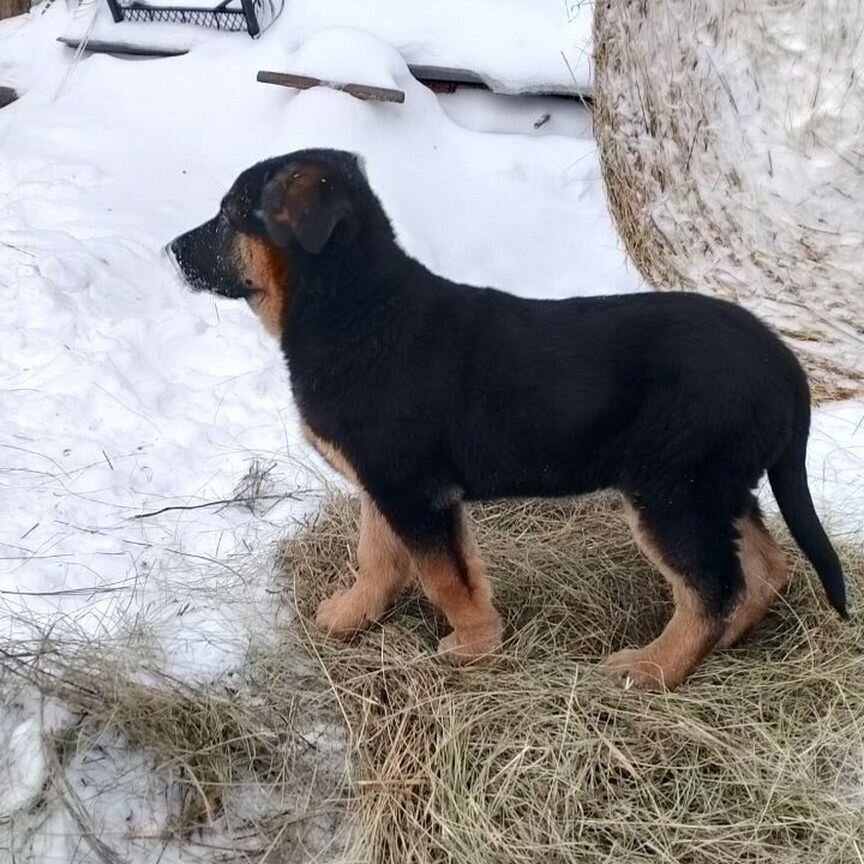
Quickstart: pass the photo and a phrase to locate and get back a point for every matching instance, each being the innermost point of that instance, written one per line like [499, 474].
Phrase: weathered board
[305, 82]
[101, 46]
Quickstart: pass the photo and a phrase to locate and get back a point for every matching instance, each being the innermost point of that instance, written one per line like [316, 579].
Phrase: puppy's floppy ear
[301, 202]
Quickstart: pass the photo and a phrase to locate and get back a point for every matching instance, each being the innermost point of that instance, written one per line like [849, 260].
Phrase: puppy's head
[304, 203]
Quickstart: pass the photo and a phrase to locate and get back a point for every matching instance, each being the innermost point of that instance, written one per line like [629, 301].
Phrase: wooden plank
[445, 79]
[103, 46]
[305, 82]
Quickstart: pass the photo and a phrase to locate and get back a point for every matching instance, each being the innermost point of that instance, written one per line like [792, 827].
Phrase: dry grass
[252, 768]
[536, 757]
[729, 151]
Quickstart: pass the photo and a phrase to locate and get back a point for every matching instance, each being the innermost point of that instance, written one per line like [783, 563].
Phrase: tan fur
[383, 568]
[331, 454]
[266, 268]
[765, 574]
[686, 639]
[464, 594]
[383, 561]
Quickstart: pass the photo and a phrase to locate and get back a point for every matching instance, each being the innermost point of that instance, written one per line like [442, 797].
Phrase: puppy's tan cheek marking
[266, 268]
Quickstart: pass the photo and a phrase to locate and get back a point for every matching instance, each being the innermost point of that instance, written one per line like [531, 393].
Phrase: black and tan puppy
[429, 394]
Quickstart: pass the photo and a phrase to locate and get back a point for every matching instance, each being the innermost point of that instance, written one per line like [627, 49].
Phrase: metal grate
[220, 20]
[252, 16]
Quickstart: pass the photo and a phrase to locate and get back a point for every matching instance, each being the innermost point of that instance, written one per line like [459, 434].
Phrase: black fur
[437, 392]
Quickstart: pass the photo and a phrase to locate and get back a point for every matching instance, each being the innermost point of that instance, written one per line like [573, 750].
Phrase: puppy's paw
[468, 645]
[345, 613]
[637, 668]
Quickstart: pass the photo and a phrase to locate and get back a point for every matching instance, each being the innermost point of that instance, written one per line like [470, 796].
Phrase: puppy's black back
[506, 396]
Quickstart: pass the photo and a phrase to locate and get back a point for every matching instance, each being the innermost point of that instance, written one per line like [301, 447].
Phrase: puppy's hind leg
[765, 572]
[697, 556]
[383, 568]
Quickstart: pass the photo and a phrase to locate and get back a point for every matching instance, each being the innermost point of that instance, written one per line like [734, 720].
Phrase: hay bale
[540, 757]
[11, 8]
[732, 147]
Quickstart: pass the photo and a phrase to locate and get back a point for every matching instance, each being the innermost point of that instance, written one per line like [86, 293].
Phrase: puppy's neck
[361, 259]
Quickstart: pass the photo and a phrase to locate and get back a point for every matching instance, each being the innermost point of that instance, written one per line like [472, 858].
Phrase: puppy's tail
[788, 477]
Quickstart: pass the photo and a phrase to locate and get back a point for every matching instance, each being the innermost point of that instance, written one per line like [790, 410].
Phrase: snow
[836, 468]
[541, 47]
[124, 394]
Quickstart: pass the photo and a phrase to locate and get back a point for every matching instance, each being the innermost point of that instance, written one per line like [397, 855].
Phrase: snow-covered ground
[541, 46]
[134, 413]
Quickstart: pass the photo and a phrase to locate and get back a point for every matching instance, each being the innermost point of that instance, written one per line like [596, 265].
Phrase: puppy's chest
[331, 453]
[339, 377]
[328, 405]
[328, 399]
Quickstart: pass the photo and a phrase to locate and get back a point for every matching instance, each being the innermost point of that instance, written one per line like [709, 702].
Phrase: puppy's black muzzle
[204, 258]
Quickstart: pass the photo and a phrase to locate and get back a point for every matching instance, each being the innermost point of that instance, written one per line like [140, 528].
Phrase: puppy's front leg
[383, 568]
[453, 577]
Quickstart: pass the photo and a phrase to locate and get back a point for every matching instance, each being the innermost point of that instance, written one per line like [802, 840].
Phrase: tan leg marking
[686, 639]
[383, 568]
[457, 583]
[765, 574]
[383, 561]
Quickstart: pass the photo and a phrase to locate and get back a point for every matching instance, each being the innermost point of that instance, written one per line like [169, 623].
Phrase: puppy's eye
[229, 215]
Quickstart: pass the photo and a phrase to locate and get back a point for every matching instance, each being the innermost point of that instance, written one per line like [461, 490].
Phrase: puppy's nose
[169, 252]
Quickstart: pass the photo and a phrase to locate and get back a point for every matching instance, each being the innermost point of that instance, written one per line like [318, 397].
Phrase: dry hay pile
[143, 767]
[539, 757]
[377, 751]
[732, 143]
